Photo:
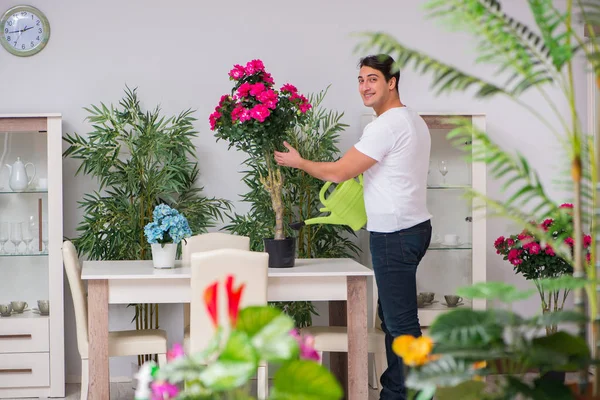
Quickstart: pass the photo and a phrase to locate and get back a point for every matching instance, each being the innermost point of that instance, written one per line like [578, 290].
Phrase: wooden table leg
[338, 362]
[99, 387]
[358, 356]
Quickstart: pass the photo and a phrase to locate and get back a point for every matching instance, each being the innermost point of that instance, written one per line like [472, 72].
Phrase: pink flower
[587, 240]
[268, 98]
[546, 224]
[304, 107]
[244, 89]
[267, 78]
[499, 241]
[225, 98]
[288, 88]
[162, 389]
[306, 344]
[510, 242]
[257, 89]
[260, 112]
[566, 205]
[214, 117]
[570, 241]
[535, 248]
[175, 352]
[240, 113]
[237, 72]
[588, 257]
[549, 250]
[254, 66]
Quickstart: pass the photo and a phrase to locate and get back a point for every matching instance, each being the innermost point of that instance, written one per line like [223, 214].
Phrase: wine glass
[443, 168]
[45, 235]
[16, 236]
[26, 235]
[3, 236]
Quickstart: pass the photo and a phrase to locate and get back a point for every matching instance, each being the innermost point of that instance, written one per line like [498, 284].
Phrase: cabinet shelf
[8, 191]
[438, 246]
[25, 255]
[448, 187]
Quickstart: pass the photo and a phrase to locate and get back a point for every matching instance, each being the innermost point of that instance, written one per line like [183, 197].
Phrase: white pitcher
[18, 180]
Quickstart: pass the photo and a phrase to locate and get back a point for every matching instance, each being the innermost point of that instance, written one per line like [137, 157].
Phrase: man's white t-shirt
[395, 189]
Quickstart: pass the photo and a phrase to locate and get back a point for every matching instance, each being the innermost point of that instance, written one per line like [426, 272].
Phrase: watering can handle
[360, 179]
[322, 192]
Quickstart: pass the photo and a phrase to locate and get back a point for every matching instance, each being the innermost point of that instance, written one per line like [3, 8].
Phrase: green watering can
[345, 204]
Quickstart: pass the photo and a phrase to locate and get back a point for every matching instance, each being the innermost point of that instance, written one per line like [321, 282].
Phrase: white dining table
[126, 282]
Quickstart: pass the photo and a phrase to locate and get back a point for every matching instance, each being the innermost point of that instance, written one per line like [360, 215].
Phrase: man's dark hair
[382, 63]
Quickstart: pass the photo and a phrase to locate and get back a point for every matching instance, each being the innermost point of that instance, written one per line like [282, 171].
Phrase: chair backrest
[73, 270]
[212, 241]
[247, 267]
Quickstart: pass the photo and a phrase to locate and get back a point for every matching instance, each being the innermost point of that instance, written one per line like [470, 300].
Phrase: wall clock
[24, 30]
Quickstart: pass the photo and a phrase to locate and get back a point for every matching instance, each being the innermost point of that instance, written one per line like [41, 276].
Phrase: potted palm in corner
[255, 118]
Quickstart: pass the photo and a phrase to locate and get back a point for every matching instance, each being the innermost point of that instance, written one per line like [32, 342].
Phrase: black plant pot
[554, 376]
[282, 253]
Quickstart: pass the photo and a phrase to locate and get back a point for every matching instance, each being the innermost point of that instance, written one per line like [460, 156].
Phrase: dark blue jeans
[395, 257]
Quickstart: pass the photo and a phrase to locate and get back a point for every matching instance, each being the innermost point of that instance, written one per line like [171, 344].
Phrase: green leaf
[446, 371]
[469, 390]
[269, 329]
[236, 364]
[494, 291]
[557, 317]
[563, 282]
[466, 327]
[305, 380]
[561, 351]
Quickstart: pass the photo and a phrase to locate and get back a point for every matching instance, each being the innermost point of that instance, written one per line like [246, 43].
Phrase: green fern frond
[514, 170]
[548, 19]
[446, 78]
[502, 40]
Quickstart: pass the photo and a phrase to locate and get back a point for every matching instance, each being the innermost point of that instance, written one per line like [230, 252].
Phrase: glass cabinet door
[449, 261]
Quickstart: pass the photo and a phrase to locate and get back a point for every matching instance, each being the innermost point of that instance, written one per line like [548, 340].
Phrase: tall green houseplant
[529, 59]
[140, 159]
[316, 137]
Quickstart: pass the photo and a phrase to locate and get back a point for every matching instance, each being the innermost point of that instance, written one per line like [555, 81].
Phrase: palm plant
[140, 159]
[316, 138]
[530, 61]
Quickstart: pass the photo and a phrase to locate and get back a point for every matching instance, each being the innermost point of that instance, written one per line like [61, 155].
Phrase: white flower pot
[163, 256]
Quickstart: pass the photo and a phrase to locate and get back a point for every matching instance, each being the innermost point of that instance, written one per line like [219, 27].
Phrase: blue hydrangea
[169, 226]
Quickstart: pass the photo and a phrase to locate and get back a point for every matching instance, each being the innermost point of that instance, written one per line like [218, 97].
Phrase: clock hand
[26, 28]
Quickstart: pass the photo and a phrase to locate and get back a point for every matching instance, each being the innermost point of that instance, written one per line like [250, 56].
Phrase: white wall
[178, 54]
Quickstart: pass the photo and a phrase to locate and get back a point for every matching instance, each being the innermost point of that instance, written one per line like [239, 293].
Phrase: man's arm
[350, 165]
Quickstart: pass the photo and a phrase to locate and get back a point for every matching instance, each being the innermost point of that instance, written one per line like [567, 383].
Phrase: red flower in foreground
[233, 299]
[210, 300]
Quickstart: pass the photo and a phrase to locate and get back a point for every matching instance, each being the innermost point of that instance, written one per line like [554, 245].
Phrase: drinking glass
[443, 168]
[3, 236]
[16, 236]
[45, 236]
[27, 235]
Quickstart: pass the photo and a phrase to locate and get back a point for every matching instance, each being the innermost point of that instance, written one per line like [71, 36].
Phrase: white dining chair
[206, 242]
[247, 267]
[334, 339]
[120, 343]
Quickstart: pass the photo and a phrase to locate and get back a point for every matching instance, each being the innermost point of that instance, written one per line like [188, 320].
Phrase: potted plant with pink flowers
[537, 260]
[256, 118]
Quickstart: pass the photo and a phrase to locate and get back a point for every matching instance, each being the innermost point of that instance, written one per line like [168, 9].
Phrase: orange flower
[479, 365]
[414, 351]
[233, 299]
[210, 300]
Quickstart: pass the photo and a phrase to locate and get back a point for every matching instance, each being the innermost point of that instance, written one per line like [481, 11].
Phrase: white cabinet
[31, 268]
[456, 256]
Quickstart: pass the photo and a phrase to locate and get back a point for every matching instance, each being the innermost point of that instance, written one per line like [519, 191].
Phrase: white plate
[452, 245]
[457, 305]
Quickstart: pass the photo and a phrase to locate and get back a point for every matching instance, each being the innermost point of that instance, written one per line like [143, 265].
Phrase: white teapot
[18, 180]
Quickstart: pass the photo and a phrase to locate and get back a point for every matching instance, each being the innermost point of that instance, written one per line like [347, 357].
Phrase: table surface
[143, 269]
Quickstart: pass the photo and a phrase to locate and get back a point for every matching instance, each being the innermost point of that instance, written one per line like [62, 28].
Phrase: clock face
[25, 30]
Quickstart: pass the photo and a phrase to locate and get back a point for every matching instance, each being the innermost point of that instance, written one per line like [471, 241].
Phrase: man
[393, 155]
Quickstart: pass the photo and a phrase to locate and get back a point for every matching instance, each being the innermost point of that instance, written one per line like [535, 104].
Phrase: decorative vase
[282, 253]
[163, 255]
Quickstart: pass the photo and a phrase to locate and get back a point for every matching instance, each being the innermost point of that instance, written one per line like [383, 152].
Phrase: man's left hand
[291, 158]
